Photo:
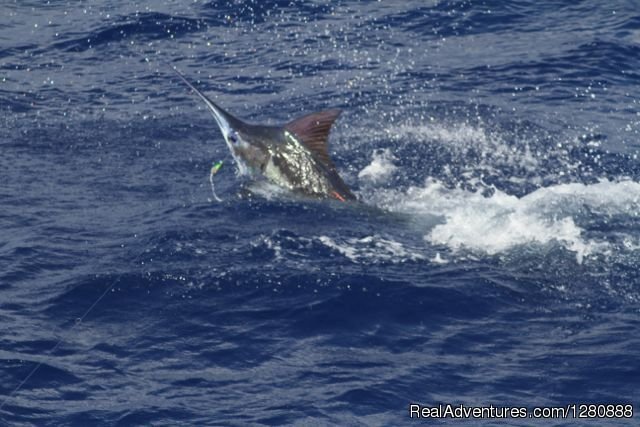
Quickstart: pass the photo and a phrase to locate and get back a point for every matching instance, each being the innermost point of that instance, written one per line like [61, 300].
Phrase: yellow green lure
[214, 170]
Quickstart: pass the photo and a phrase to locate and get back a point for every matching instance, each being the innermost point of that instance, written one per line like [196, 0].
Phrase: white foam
[372, 249]
[380, 168]
[501, 222]
[438, 259]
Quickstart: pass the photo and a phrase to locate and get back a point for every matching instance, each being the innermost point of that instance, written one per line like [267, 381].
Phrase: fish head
[248, 151]
[245, 144]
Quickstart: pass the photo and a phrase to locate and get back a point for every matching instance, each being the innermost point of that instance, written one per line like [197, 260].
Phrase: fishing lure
[214, 170]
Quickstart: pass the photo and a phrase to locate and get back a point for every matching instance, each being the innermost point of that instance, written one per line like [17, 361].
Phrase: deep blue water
[494, 257]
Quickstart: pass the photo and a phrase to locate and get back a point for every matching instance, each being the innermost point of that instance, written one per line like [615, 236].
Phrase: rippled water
[493, 258]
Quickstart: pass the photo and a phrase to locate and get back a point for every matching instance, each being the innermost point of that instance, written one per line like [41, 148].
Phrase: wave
[142, 27]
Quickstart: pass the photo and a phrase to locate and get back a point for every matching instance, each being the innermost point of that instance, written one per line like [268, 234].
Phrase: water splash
[563, 213]
[380, 168]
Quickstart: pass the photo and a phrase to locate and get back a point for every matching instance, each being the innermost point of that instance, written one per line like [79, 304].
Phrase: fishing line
[77, 322]
[215, 168]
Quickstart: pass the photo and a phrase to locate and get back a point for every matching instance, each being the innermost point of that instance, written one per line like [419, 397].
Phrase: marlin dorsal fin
[313, 131]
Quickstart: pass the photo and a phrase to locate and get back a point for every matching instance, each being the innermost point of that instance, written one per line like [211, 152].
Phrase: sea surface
[493, 257]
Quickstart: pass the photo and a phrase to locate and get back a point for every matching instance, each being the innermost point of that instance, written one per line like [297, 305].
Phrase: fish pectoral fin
[312, 131]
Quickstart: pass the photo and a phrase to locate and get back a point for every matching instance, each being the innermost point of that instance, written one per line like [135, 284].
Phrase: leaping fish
[294, 156]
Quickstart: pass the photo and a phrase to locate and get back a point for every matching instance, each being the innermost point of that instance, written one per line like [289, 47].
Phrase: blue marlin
[294, 156]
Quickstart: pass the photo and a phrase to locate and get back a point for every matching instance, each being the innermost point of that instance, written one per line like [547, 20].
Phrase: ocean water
[492, 259]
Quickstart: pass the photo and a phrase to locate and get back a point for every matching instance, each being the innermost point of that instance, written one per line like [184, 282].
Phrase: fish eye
[233, 138]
